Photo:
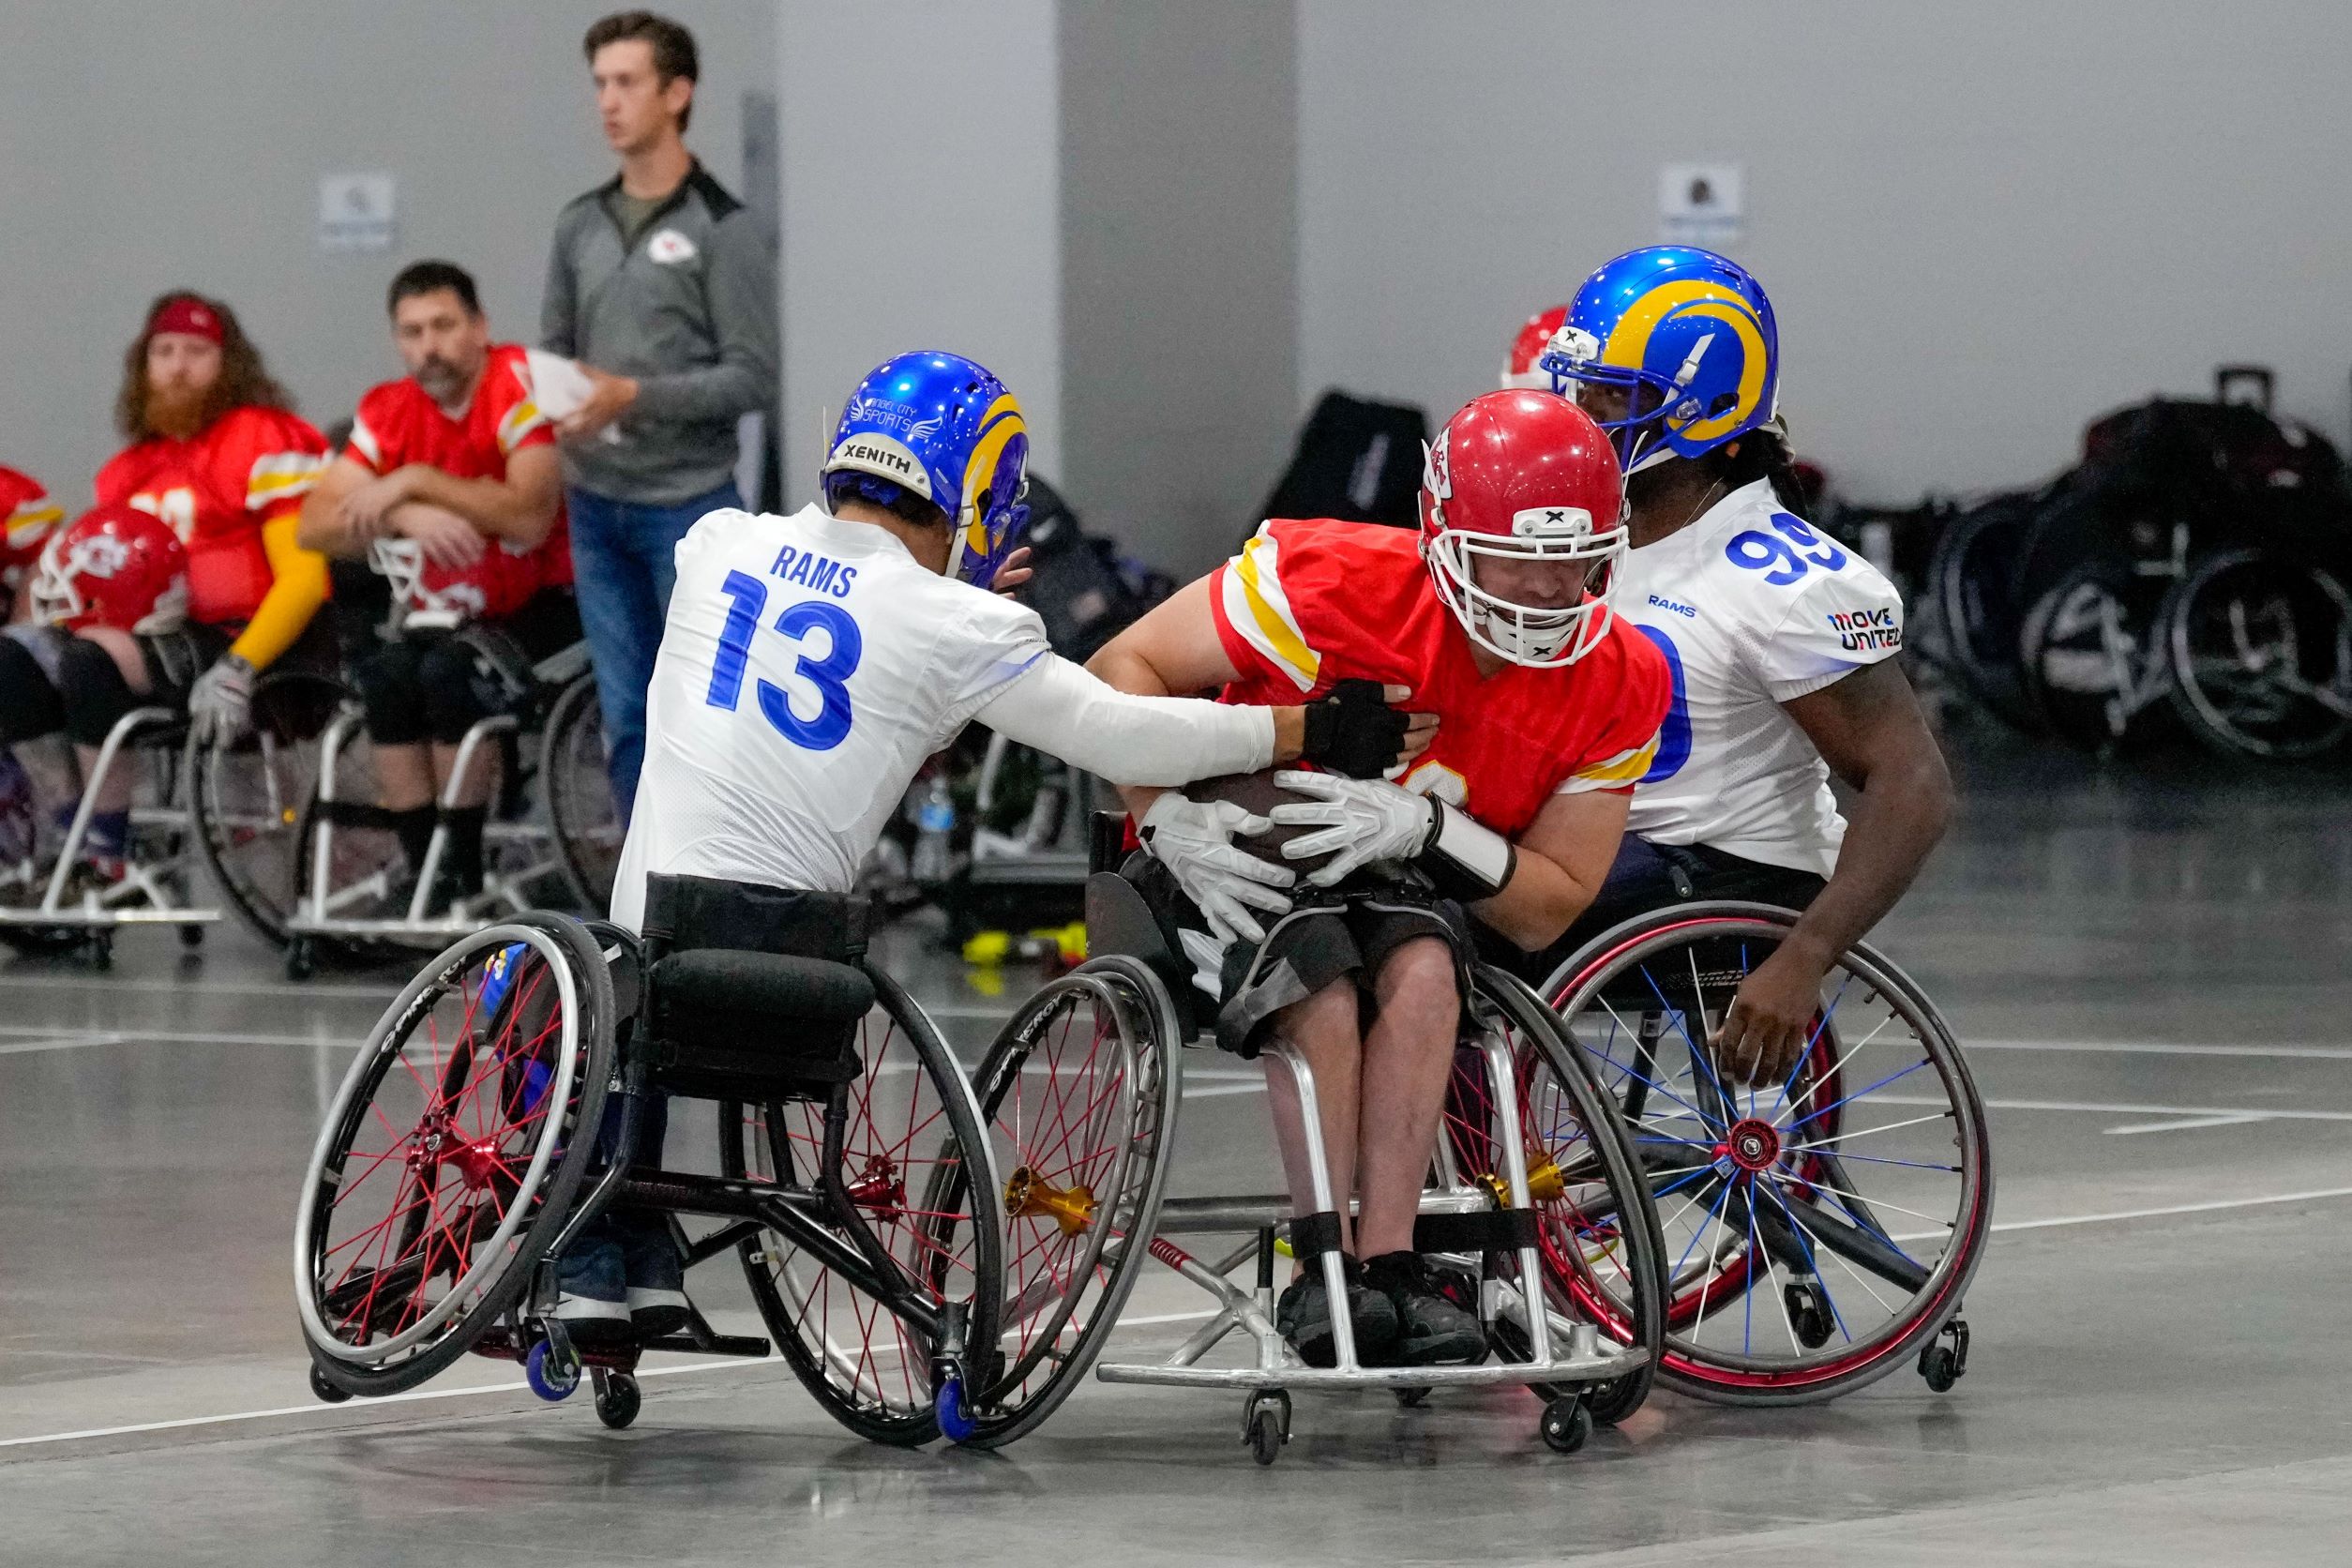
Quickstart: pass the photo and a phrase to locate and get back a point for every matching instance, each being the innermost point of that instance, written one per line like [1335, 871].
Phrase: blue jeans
[624, 557]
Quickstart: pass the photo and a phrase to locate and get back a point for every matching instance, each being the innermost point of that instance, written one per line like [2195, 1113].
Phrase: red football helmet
[114, 566]
[1517, 481]
[429, 596]
[1519, 368]
[28, 518]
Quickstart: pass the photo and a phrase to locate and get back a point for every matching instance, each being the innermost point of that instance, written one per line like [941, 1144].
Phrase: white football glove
[1194, 839]
[219, 701]
[1364, 819]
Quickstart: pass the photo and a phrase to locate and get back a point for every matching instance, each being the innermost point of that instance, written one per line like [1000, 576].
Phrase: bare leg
[1322, 1029]
[480, 780]
[114, 793]
[404, 778]
[1407, 1059]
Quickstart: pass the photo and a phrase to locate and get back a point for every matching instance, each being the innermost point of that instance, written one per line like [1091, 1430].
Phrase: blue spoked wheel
[552, 1377]
[957, 1423]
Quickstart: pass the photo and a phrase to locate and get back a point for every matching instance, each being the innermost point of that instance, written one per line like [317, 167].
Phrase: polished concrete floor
[2152, 970]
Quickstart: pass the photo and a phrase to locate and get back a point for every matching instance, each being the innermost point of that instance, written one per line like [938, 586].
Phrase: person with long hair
[216, 452]
[1781, 645]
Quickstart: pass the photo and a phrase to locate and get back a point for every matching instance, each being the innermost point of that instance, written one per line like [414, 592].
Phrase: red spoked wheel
[452, 1152]
[1080, 1091]
[902, 1233]
[1596, 1233]
[1818, 1228]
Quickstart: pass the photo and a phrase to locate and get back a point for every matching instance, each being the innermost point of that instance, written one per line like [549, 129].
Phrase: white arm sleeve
[1059, 708]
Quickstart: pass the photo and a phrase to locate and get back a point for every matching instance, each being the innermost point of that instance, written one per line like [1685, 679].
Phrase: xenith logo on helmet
[864, 451]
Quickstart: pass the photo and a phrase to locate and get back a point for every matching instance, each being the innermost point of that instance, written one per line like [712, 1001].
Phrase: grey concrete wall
[1180, 266]
[920, 202]
[1981, 224]
[150, 146]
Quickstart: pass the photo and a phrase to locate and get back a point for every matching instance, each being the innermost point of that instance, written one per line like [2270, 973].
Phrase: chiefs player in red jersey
[450, 484]
[217, 453]
[28, 518]
[1496, 617]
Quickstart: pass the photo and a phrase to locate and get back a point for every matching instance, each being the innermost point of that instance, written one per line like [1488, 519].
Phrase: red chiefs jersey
[1308, 604]
[28, 518]
[399, 423]
[216, 489]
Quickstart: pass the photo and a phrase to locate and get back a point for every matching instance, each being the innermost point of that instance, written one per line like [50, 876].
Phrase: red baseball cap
[186, 313]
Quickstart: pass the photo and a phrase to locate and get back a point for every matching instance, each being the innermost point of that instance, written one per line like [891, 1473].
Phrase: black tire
[2260, 649]
[1753, 1196]
[1604, 1259]
[1078, 1203]
[2083, 654]
[581, 818]
[549, 1027]
[880, 1390]
[248, 799]
[1972, 581]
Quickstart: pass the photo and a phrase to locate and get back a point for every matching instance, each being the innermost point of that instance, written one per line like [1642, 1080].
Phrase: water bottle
[934, 820]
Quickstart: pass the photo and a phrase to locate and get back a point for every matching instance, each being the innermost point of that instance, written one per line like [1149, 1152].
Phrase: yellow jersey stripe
[31, 521]
[280, 477]
[1617, 772]
[1260, 610]
[520, 421]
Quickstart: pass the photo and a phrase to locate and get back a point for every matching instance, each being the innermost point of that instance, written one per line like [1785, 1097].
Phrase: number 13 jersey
[807, 668]
[1752, 609]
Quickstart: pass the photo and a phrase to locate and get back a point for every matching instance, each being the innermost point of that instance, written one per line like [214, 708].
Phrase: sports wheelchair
[345, 887]
[1820, 1230]
[496, 1111]
[1535, 1193]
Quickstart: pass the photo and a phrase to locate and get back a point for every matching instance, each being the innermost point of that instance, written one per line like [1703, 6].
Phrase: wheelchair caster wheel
[326, 1393]
[1411, 1399]
[552, 1375]
[302, 958]
[1565, 1425]
[1808, 1314]
[191, 937]
[1943, 1365]
[957, 1423]
[1266, 1424]
[618, 1399]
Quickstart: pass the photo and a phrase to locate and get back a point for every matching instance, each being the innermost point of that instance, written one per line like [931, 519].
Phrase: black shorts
[1648, 876]
[1328, 936]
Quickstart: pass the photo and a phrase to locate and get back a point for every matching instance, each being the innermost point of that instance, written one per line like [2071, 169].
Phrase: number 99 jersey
[1752, 609]
[807, 668]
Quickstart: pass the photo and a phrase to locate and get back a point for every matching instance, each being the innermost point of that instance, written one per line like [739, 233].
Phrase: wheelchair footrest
[748, 1345]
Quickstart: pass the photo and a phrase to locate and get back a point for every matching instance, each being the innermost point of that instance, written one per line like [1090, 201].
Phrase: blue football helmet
[1691, 337]
[945, 428]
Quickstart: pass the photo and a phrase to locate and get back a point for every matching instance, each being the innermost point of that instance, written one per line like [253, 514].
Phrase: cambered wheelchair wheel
[248, 797]
[2084, 652]
[452, 1152]
[2261, 656]
[1079, 1093]
[1596, 1229]
[921, 1223]
[580, 813]
[1819, 1230]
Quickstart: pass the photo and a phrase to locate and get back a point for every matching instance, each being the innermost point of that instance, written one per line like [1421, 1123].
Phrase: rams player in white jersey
[811, 663]
[1780, 643]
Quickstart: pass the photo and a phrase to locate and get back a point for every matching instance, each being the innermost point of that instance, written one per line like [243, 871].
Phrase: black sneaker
[1304, 1315]
[654, 1282]
[1432, 1328]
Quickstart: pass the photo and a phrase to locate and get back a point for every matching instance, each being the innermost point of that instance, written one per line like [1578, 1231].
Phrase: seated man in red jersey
[1496, 617]
[217, 454]
[28, 518]
[450, 483]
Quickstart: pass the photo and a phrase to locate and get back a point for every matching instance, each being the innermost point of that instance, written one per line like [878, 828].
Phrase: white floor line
[378, 994]
[58, 1042]
[2268, 1113]
[2133, 1129]
[54, 1039]
[2311, 1197]
[2164, 1048]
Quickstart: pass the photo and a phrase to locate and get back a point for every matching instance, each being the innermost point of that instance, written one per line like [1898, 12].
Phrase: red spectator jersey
[399, 423]
[27, 519]
[216, 489]
[1308, 604]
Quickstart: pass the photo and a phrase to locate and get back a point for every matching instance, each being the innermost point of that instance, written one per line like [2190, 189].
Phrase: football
[1259, 794]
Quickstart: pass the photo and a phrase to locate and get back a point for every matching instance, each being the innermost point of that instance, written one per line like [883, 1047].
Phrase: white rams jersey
[808, 667]
[1752, 609]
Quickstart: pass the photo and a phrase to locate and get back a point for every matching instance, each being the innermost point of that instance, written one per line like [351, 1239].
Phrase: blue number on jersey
[1674, 736]
[830, 674]
[1757, 550]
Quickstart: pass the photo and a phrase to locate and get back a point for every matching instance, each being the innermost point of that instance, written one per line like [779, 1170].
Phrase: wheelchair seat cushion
[732, 1024]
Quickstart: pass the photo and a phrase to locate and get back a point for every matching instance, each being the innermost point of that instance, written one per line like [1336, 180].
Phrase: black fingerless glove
[1353, 732]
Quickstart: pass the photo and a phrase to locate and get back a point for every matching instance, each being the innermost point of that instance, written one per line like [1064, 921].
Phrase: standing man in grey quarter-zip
[661, 286]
